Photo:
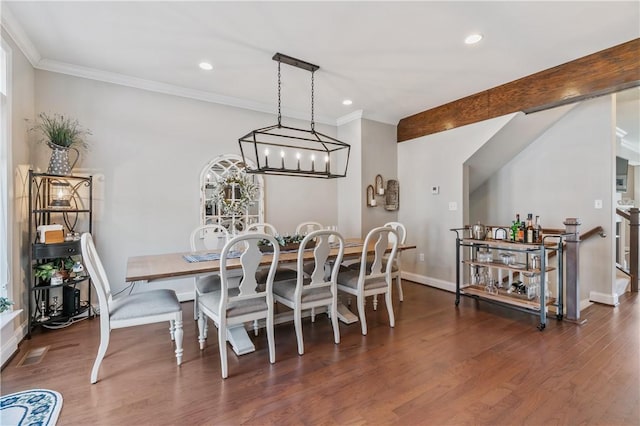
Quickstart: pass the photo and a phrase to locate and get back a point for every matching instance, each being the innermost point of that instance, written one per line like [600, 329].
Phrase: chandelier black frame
[333, 155]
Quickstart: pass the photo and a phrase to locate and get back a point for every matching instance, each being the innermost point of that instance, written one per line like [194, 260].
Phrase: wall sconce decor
[392, 198]
[288, 151]
[379, 185]
[371, 199]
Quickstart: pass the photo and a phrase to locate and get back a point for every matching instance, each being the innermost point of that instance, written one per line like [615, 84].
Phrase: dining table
[157, 267]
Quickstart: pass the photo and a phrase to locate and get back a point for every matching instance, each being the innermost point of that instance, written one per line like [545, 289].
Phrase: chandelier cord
[313, 124]
[279, 98]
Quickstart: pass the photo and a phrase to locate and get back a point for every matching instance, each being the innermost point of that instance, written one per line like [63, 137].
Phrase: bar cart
[510, 274]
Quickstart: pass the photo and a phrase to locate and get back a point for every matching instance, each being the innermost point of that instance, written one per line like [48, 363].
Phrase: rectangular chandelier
[289, 151]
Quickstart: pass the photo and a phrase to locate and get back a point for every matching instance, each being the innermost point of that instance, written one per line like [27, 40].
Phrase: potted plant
[45, 271]
[61, 134]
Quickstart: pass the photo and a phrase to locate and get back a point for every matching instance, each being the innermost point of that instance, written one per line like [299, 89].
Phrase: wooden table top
[174, 265]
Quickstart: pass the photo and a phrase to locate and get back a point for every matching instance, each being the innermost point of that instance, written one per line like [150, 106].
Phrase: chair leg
[202, 329]
[256, 328]
[270, 338]
[399, 283]
[313, 314]
[375, 302]
[195, 306]
[392, 319]
[333, 309]
[363, 319]
[102, 350]
[297, 320]
[222, 344]
[178, 333]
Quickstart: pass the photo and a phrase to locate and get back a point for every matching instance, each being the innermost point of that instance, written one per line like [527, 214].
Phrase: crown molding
[169, 89]
[355, 115]
[14, 29]
[360, 114]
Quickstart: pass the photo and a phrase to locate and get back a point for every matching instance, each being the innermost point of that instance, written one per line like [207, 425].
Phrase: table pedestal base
[239, 338]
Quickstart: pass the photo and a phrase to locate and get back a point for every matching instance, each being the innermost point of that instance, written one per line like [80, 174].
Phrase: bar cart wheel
[541, 326]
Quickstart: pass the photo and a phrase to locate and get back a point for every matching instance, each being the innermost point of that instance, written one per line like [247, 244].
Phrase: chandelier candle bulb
[326, 164]
[266, 158]
[298, 157]
[313, 163]
[282, 156]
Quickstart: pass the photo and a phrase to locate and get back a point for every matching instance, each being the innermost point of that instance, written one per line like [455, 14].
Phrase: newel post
[572, 268]
[634, 228]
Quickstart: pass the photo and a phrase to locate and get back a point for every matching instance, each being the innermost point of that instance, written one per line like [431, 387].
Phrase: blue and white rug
[32, 407]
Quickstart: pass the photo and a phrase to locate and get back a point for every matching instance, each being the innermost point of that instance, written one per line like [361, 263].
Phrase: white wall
[436, 160]
[351, 197]
[379, 156]
[560, 175]
[148, 150]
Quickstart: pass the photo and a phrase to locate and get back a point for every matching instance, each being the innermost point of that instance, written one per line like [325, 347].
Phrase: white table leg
[239, 338]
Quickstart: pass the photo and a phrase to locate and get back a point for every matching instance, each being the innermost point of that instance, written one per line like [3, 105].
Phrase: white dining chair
[146, 307]
[317, 291]
[282, 272]
[247, 302]
[396, 270]
[303, 229]
[207, 237]
[306, 227]
[373, 280]
[262, 227]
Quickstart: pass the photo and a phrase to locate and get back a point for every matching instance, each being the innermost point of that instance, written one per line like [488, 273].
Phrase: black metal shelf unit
[55, 305]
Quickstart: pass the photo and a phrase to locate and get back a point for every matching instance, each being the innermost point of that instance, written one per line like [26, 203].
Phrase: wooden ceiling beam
[600, 73]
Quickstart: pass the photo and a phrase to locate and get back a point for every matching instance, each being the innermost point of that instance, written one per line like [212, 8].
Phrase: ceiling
[392, 59]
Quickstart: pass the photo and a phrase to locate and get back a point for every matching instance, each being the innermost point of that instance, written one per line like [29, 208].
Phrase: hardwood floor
[477, 364]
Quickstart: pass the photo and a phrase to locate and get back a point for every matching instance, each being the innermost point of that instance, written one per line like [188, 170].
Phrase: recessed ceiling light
[347, 102]
[473, 38]
[206, 66]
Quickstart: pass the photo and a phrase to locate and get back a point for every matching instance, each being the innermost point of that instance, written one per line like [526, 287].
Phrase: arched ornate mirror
[229, 196]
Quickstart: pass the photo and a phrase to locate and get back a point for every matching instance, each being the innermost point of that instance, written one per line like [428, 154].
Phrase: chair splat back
[307, 227]
[320, 255]
[382, 236]
[208, 237]
[250, 259]
[262, 227]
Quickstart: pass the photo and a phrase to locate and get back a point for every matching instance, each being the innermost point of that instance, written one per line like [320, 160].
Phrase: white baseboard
[9, 336]
[431, 282]
[605, 298]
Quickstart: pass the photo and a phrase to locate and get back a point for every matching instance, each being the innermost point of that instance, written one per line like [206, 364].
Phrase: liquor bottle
[520, 238]
[537, 231]
[529, 237]
[514, 228]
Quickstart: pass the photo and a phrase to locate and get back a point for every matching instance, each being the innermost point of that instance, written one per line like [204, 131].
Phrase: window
[5, 176]
[227, 205]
